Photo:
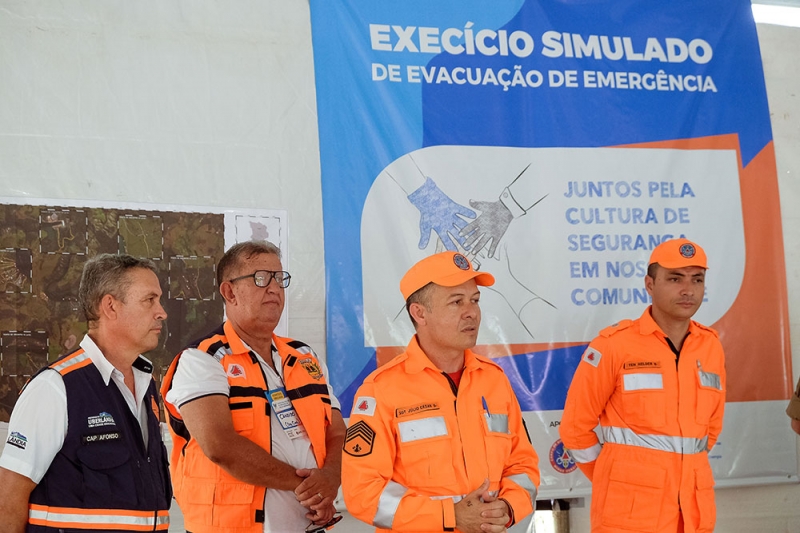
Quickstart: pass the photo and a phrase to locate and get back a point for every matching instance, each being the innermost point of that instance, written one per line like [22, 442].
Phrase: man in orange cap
[656, 385]
[436, 440]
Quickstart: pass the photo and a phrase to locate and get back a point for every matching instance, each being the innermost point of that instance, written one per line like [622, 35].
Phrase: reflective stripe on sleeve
[709, 379]
[586, 455]
[524, 481]
[76, 518]
[642, 381]
[388, 504]
[422, 428]
[666, 443]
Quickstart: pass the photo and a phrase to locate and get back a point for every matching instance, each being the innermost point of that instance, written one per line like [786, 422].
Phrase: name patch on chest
[414, 409]
[633, 365]
[101, 437]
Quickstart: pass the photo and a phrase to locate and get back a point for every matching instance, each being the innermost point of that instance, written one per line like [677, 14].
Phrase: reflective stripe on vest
[586, 455]
[71, 361]
[682, 445]
[118, 519]
[388, 504]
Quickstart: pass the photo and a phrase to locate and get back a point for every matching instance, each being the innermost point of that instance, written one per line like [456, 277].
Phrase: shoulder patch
[359, 439]
[312, 367]
[614, 328]
[364, 405]
[591, 356]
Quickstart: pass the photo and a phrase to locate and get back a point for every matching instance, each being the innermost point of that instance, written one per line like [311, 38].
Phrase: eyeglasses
[262, 278]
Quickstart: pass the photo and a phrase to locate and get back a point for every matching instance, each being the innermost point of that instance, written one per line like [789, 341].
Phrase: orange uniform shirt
[416, 444]
[658, 415]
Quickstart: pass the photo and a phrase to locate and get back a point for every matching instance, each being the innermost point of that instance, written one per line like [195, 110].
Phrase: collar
[238, 346]
[417, 361]
[648, 326]
[141, 365]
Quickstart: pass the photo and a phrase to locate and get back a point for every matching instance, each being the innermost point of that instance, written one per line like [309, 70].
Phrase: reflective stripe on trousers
[76, 518]
[665, 443]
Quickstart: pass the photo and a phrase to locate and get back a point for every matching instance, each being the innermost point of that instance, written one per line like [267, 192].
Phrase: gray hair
[106, 274]
[242, 251]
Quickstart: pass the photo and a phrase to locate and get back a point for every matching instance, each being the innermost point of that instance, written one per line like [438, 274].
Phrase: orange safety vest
[658, 418]
[213, 501]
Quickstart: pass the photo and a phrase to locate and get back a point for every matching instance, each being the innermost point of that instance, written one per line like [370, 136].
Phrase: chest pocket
[107, 472]
[425, 452]
[498, 444]
[644, 399]
[242, 416]
[709, 395]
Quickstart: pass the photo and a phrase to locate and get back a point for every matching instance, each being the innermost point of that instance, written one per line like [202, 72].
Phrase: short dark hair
[652, 270]
[242, 251]
[421, 296]
[106, 274]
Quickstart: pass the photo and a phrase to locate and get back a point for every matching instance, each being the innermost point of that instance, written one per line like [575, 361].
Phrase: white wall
[205, 102]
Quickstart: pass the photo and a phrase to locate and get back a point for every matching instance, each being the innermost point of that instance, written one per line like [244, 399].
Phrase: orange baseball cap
[678, 253]
[447, 269]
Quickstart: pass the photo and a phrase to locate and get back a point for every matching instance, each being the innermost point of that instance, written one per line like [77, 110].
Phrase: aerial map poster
[45, 243]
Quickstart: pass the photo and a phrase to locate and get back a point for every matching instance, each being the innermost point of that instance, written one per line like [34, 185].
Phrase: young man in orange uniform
[436, 440]
[656, 385]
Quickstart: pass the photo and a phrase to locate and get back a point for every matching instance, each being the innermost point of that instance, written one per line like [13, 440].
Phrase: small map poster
[45, 243]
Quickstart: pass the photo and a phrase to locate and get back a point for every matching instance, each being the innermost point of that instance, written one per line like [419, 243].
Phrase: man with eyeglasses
[257, 431]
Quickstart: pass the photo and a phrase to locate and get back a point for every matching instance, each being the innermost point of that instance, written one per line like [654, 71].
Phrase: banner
[555, 144]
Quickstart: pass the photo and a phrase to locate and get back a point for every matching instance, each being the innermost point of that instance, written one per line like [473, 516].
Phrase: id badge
[284, 411]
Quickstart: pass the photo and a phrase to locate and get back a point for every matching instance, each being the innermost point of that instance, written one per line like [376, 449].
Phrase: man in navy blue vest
[84, 449]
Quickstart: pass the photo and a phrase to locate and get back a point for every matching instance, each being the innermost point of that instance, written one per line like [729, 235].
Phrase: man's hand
[490, 225]
[318, 488]
[480, 512]
[321, 516]
[440, 214]
[796, 425]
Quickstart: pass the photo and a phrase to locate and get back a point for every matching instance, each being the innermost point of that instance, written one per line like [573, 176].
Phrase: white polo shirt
[200, 374]
[38, 423]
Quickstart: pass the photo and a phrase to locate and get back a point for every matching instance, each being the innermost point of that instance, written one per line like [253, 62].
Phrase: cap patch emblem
[687, 250]
[235, 371]
[461, 262]
[311, 367]
[359, 439]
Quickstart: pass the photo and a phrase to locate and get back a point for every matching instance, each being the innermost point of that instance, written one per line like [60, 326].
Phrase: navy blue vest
[103, 463]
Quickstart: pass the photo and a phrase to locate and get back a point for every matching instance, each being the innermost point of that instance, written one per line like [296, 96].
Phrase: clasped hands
[480, 511]
[317, 492]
